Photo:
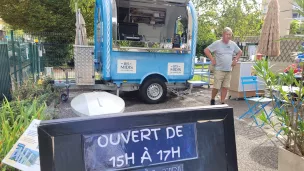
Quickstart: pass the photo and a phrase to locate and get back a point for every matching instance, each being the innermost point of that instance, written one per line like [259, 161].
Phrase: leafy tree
[40, 18]
[294, 27]
[242, 17]
[206, 23]
[205, 35]
[207, 4]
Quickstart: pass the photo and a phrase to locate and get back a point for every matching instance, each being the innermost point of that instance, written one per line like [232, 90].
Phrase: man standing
[223, 50]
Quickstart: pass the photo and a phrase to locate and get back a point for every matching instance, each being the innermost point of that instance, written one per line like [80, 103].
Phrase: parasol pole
[77, 21]
[79, 34]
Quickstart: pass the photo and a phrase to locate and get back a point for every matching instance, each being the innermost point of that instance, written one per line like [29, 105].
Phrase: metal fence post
[14, 57]
[42, 59]
[36, 60]
[20, 64]
[5, 76]
[31, 56]
[39, 62]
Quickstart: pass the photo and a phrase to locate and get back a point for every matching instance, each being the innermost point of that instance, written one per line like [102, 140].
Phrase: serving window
[149, 26]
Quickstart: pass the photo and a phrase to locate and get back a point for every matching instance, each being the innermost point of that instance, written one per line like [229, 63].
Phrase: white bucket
[203, 59]
[49, 72]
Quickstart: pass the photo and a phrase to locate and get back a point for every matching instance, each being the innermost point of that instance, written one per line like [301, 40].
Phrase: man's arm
[211, 48]
[238, 55]
[208, 53]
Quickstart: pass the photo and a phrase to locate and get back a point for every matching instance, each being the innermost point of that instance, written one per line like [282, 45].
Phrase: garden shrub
[29, 102]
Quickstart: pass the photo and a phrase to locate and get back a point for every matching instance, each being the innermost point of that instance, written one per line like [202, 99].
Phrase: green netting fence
[20, 60]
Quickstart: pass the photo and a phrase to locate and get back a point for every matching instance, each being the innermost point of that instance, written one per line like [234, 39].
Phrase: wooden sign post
[190, 139]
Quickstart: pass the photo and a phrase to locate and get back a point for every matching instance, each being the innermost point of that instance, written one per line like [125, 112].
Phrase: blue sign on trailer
[140, 147]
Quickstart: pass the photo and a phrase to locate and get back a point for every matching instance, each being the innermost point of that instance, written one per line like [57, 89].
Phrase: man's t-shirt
[223, 54]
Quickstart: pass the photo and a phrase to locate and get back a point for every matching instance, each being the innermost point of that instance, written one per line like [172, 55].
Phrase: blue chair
[259, 102]
[279, 104]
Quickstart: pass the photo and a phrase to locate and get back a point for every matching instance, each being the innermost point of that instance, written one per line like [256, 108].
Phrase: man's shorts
[222, 79]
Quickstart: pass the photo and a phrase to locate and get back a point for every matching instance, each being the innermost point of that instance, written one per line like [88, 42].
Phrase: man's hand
[234, 62]
[213, 61]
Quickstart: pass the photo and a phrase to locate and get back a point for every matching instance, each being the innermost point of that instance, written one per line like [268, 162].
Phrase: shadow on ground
[266, 156]
[250, 131]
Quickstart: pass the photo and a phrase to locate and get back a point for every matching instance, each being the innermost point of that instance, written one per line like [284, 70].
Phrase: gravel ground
[256, 152]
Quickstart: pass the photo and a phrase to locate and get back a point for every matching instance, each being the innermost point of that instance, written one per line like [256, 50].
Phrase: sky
[259, 1]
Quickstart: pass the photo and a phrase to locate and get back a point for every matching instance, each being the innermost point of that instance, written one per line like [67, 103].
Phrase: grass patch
[199, 77]
[200, 66]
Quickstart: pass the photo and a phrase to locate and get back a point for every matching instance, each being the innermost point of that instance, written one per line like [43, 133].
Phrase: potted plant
[287, 119]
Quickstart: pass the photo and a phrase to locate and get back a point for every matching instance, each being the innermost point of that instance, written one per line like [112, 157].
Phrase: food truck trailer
[145, 45]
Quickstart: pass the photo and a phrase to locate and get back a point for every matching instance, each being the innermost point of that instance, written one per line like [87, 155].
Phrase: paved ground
[255, 152]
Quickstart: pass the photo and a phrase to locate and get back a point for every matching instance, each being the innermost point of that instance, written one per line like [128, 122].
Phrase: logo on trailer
[176, 69]
[126, 66]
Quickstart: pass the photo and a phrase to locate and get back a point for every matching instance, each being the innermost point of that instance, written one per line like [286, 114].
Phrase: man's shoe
[212, 102]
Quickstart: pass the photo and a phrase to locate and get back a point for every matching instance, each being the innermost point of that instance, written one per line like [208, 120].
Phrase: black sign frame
[60, 141]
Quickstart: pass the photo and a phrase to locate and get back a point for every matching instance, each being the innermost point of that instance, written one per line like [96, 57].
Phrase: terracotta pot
[289, 161]
[259, 56]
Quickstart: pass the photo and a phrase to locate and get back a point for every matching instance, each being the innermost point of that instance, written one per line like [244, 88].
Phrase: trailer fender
[151, 75]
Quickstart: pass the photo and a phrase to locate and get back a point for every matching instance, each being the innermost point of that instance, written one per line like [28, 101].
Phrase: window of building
[295, 15]
[265, 9]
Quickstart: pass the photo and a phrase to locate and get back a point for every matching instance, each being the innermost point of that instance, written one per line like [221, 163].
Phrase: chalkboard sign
[191, 139]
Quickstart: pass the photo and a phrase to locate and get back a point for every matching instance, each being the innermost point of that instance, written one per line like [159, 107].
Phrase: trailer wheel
[153, 91]
[64, 97]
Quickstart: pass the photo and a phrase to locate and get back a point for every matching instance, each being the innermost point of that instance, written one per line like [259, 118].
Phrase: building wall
[285, 16]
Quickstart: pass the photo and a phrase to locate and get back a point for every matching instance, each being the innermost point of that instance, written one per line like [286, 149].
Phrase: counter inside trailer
[146, 26]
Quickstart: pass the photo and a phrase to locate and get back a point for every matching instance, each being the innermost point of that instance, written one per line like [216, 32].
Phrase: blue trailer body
[122, 67]
[148, 63]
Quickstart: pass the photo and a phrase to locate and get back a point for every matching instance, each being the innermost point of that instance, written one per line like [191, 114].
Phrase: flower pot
[289, 161]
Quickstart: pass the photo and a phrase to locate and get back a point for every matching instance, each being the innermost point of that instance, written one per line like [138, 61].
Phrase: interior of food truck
[151, 24]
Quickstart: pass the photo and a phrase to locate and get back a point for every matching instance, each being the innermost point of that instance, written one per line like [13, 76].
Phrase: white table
[287, 89]
[97, 103]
